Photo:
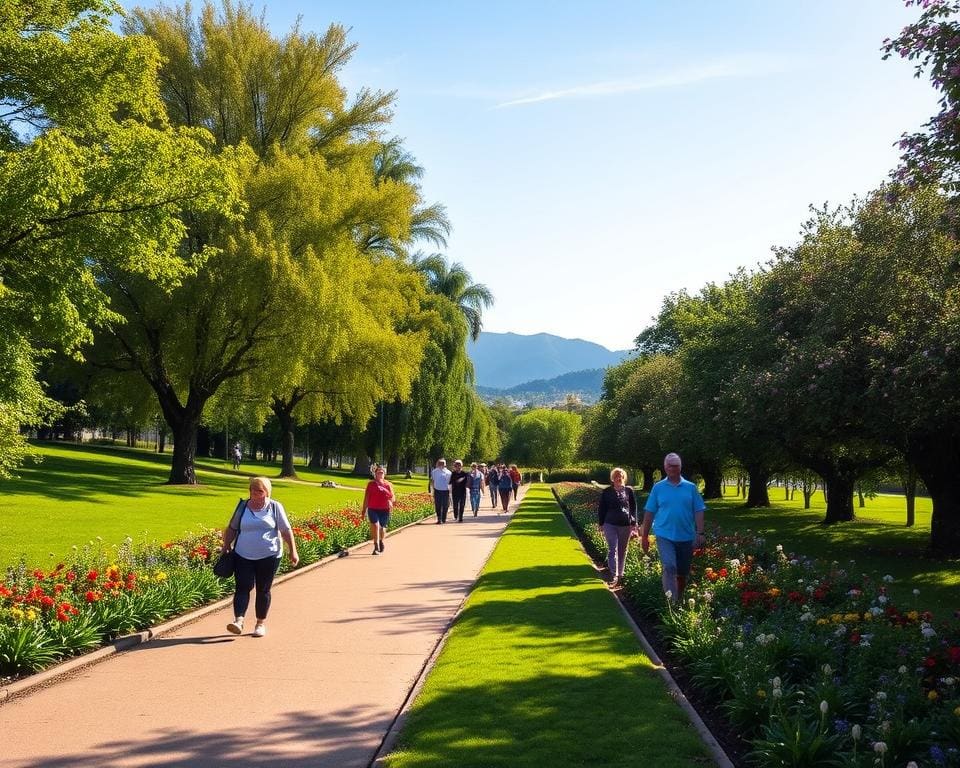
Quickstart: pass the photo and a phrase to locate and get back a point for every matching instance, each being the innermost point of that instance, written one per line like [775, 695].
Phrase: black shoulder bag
[227, 562]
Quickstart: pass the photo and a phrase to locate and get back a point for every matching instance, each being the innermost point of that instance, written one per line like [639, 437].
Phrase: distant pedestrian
[378, 501]
[459, 485]
[515, 478]
[505, 486]
[675, 509]
[439, 485]
[477, 482]
[493, 483]
[257, 532]
[617, 516]
[237, 456]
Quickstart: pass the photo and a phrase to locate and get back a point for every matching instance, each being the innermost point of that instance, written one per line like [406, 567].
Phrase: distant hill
[504, 360]
[586, 385]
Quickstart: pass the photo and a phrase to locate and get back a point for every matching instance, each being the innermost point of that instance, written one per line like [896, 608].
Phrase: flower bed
[103, 592]
[810, 664]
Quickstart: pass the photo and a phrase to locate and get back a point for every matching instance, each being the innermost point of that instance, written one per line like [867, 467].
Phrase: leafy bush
[810, 663]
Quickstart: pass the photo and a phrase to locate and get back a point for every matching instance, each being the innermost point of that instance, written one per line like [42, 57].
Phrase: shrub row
[810, 664]
[102, 592]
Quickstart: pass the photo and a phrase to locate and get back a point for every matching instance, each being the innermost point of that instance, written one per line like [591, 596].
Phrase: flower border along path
[542, 669]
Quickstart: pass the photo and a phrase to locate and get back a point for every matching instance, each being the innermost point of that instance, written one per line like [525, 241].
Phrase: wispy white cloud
[734, 68]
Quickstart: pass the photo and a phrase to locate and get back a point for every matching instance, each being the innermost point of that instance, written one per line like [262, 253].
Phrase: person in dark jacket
[617, 515]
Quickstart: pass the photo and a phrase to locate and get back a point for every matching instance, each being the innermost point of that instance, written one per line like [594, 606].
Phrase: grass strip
[81, 493]
[541, 668]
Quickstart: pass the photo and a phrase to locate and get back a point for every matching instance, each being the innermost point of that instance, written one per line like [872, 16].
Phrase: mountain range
[511, 361]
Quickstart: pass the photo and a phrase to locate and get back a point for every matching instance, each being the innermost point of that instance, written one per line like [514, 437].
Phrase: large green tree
[92, 179]
[544, 438]
[268, 287]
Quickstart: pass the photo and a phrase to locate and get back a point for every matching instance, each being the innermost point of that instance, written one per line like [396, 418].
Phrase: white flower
[776, 682]
[881, 696]
[888, 579]
[806, 616]
[882, 599]
[726, 651]
[876, 611]
[948, 681]
[734, 563]
[903, 669]
[916, 592]
[738, 645]
[927, 631]
[779, 547]
[691, 603]
[840, 631]
[824, 707]
[669, 595]
[810, 590]
[856, 732]
[827, 670]
[794, 562]
[776, 693]
[911, 764]
[708, 597]
[879, 747]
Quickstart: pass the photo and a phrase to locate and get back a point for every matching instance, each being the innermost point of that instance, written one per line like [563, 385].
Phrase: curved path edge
[68, 667]
[716, 751]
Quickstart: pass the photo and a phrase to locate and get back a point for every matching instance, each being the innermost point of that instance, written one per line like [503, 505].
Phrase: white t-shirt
[441, 479]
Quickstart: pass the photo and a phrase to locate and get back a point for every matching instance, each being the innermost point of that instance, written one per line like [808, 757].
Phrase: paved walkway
[346, 643]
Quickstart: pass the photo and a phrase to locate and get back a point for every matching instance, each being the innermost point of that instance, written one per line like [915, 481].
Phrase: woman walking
[493, 481]
[378, 502]
[505, 486]
[515, 478]
[257, 532]
[617, 515]
[476, 483]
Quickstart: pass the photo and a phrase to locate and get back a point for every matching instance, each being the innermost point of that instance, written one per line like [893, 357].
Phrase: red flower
[92, 575]
[62, 617]
[929, 662]
[795, 597]
[953, 653]
[723, 573]
[38, 574]
[91, 596]
[71, 576]
[46, 601]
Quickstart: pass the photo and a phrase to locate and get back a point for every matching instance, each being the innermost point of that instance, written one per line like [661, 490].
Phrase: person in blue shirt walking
[675, 509]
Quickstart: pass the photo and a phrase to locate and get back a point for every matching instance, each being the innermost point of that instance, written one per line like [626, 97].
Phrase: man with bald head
[675, 510]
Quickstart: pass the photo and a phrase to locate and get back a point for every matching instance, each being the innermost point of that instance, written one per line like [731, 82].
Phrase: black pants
[441, 503]
[249, 573]
[459, 502]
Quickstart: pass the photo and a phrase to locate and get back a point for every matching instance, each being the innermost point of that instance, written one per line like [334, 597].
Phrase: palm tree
[428, 222]
[454, 282]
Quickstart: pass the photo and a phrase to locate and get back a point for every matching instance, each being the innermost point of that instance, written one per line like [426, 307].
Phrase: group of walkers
[452, 486]
[674, 512]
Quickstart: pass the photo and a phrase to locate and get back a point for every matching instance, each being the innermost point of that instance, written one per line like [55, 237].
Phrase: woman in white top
[257, 531]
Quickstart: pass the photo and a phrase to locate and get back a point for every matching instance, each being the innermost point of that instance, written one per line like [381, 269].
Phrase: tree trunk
[362, 464]
[712, 477]
[182, 470]
[910, 492]
[839, 491]
[807, 495]
[860, 498]
[161, 439]
[938, 464]
[757, 494]
[647, 478]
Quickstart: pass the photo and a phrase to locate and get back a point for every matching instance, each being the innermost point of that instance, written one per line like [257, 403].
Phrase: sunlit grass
[878, 542]
[78, 493]
[542, 670]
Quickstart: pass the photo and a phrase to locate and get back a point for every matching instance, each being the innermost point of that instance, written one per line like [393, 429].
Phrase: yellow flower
[836, 618]
[913, 615]
[773, 592]
[160, 576]
[17, 614]
[821, 622]
[762, 694]
[957, 711]
[933, 696]
[851, 617]
[31, 614]
[867, 616]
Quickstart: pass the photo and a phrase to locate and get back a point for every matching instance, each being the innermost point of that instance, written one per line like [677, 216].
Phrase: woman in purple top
[617, 515]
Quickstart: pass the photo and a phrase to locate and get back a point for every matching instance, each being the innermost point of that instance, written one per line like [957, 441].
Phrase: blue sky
[596, 155]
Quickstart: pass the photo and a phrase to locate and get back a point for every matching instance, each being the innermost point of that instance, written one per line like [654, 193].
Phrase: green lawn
[878, 542]
[78, 493]
[542, 670]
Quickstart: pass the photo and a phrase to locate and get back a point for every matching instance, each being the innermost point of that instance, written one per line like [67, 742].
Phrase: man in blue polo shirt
[675, 509]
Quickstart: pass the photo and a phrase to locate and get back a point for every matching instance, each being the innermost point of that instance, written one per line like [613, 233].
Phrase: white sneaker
[260, 630]
[236, 626]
